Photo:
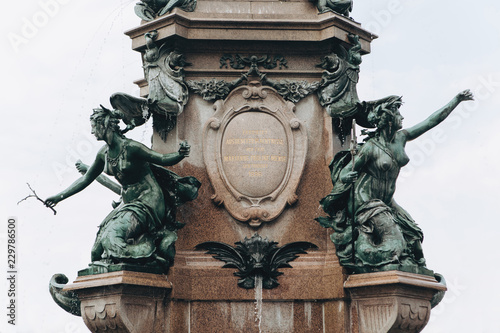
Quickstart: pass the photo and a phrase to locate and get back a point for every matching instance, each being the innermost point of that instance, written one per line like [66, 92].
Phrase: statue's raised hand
[81, 167]
[184, 149]
[53, 200]
[465, 95]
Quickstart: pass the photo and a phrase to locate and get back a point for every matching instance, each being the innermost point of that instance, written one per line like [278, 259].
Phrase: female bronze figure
[361, 204]
[141, 229]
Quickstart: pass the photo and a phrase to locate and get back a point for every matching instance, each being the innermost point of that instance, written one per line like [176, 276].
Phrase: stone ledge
[124, 301]
[119, 278]
[391, 301]
[392, 277]
[249, 24]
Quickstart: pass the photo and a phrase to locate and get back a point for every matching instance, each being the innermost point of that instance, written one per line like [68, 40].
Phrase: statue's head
[355, 58]
[329, 62]
[387, 113]
[177, 59]
[102, 120]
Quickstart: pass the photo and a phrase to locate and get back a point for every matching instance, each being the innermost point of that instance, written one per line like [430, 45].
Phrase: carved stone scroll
[254, 151]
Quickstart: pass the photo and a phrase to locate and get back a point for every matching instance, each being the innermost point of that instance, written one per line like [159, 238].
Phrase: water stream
[258, 301]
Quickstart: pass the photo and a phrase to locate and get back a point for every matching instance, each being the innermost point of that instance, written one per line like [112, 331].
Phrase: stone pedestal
[205, 298]
[391, 301]
[233, 202]
[122, 302]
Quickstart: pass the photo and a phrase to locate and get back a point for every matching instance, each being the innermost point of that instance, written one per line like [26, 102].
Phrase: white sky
[427, 51]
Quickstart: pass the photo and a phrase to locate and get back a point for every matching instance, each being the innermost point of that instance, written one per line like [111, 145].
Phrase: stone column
[205, 297]
[392, 301]
[122, 302]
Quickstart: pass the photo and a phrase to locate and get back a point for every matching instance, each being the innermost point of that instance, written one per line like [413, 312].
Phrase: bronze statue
[337, 90]
[372, 232]
[141, 230]
[168, 93]
[342, 7]
[148, 10]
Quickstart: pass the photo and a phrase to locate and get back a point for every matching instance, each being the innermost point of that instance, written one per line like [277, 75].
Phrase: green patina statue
[168, 93]
[372, 232]
[342, 7]
[141, 230]
[148, 10]
[337, 91]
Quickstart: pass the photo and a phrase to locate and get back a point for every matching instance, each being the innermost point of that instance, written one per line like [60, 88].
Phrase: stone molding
[392, 301]
[219, 20]
[122, 302]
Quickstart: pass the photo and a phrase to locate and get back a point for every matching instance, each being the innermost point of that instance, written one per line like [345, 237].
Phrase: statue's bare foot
[81, 167]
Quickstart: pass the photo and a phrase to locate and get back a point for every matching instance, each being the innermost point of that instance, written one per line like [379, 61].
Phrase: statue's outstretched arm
[438, 116]
[81, 183]
[154, 157]
[101, 179]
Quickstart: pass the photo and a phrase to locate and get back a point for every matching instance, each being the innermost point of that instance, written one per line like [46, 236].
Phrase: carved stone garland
[215, 89]
[254, 151]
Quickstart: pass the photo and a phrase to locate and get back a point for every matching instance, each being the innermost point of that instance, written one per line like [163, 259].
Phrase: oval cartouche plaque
[254, 151]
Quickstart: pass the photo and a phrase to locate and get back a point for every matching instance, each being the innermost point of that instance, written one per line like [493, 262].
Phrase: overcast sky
[59, 62]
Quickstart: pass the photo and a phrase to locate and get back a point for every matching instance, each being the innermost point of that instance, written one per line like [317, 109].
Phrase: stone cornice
[392, 277]
[247, 26]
